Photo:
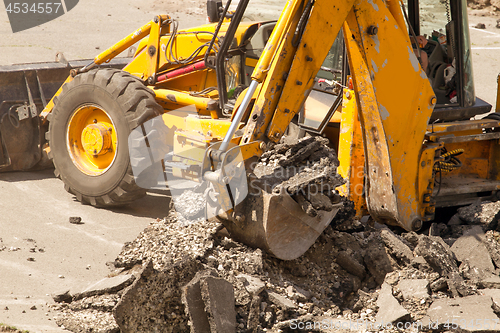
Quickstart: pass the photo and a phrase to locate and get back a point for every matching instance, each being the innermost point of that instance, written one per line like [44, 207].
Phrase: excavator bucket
[277, 224]
[268, 217]
[25, 90]
[253, 210]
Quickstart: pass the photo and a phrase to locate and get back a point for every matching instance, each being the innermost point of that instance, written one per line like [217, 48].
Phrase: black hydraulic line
[221, 55]
[216, 32]
[302, 24]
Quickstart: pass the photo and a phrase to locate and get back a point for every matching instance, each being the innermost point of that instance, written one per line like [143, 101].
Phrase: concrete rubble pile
[491, 5]
[179, 276]
[182, 275]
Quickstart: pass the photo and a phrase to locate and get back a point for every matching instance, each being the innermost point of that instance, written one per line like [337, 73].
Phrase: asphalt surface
[44, 253]
[34, 207]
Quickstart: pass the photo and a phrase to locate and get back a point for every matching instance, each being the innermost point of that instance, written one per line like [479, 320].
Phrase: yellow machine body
[393, 153]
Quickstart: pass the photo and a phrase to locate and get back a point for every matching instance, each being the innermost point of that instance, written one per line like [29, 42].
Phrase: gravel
[313, 286]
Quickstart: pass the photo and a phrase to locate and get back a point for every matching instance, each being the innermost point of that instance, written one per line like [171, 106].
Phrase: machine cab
[444, 25]
[448, 58]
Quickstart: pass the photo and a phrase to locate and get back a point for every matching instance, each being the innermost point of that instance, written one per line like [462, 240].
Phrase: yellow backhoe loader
[198, 106]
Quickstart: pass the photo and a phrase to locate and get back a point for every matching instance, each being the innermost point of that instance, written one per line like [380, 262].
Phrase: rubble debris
[482, 213]
[280, 301]
[437, 229]
[306, 169]
[491, 242]
[411, 239]
[494, 294]
[63, 296]
[439, 285]
[195, 306]
[462, 313]
[420, 264]
[209, 302]
[455, 220]
[190, 204]
[106, 286]
[489, 281]
[346, 219]
[480, 26]
[88, 321]
[75, 220]
[253, 285]
[153, 301]
[339, 278]
[390, 311]
[350, 264]
[253, 321]
[471, 251]
[92, 314]
[218, 296]
[320, 201]
[168, 241]
[415, 288]
[396, 247]
[437, 254]
[298, 294]
[377, 260]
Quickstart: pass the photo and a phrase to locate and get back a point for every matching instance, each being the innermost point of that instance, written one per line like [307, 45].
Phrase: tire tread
[138, 104]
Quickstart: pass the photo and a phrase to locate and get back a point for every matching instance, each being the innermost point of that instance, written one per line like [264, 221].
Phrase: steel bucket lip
[277, 224]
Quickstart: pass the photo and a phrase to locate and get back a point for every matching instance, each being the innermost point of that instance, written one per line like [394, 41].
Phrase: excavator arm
[199, 135]
[393, 96]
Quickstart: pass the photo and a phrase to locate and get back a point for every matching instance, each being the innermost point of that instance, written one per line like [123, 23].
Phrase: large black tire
[127, 103]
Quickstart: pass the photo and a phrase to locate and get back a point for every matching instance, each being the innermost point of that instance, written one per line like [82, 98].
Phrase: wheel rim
[91, 140]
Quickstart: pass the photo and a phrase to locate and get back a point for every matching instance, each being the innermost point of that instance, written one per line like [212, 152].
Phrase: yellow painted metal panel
[183, 98]
[404, 99]
[152, 51]
[351, 153]
[272, 86]
[381, 199]
[250, 62]
[323, 26]
[122, 45]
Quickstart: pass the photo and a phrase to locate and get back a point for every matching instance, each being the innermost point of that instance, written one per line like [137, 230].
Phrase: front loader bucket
[277, 224]
[25, 90]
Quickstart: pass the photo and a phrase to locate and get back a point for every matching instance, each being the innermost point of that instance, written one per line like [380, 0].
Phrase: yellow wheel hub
[96, 139]
[91, 140]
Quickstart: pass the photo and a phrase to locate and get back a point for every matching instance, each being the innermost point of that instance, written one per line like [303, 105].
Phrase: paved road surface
[34, 216]
[34, 207]
[485, 57]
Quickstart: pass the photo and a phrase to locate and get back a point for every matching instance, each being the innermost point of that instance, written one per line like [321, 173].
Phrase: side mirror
[214, 10]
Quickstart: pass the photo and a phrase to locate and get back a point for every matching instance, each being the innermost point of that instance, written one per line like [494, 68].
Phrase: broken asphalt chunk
[390, 311]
